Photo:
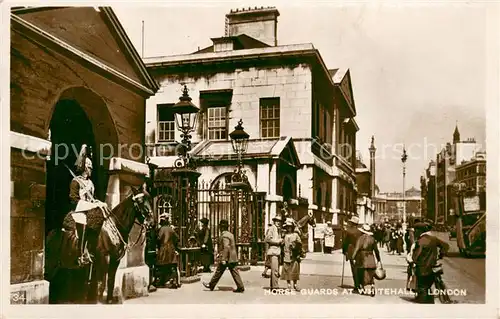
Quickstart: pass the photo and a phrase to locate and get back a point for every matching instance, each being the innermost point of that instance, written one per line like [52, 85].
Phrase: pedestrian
[363, 255]
[204, 238]
[351, 235]
[428, 249]
[292, 248]
[227, 258]
[274, 240]
[329, 238]
[387, 237]
[409, 238]
[168, 252]
[267, 263]
[399, 240]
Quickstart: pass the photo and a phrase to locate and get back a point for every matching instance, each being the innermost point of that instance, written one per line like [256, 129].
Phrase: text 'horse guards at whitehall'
[299, 225]
[93, 239]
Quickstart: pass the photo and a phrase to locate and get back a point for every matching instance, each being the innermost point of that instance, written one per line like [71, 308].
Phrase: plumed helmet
[380, 274]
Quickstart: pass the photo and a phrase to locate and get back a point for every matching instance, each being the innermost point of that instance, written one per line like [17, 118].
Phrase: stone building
[473, 174]
[428, 190]
[391, 205]
[446, 161]
[75, 79]
[291, 104]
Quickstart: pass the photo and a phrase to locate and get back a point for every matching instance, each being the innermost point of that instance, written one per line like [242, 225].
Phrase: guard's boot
[84, 258]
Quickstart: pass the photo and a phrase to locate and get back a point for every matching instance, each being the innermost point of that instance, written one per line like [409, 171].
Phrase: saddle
[91, 222]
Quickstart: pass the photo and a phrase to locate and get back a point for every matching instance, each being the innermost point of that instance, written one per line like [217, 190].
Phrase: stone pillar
[27, 219]
[132, 277]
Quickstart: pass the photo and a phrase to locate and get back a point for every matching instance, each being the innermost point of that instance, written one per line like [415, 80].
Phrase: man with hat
[428, 249]
[274, 240]
[227, 258]
[351, 236]
[168, 252]
[204, 238]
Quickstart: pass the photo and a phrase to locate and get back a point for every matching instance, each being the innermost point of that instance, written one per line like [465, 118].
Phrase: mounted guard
[87, 214]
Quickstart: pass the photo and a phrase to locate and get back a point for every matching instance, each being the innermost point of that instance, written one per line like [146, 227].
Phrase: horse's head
[311, 221]
[143, 207]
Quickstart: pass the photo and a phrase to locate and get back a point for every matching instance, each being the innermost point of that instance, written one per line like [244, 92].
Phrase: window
[215, 105]
[166, 123]
[217, 129]
[270, 117]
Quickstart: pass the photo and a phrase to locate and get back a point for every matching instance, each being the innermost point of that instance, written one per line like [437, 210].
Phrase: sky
[416, 71]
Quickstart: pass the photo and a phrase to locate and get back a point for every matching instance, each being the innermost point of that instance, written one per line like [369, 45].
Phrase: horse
[110, 249]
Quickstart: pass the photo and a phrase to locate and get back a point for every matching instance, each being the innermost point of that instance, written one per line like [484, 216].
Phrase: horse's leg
[101, 272]
[113, 267]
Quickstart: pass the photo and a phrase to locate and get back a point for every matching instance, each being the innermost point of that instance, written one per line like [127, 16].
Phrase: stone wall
[292, 85]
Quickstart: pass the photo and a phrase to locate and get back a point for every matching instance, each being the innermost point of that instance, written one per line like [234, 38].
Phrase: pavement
[321, 282]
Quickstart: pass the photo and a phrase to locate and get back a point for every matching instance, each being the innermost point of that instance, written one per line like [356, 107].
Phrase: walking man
[351, 235]
[274, 240]
[227, 258]
[428, 249]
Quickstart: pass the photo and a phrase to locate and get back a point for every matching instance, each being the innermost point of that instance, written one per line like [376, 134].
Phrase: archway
[79, 117]
[70, 128]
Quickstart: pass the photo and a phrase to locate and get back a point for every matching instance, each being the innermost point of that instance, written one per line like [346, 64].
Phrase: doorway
[70, 128]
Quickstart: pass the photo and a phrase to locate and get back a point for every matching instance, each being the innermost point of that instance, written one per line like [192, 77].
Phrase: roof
[282, 148]
[240, 42]
[203, 57]
[114, 26]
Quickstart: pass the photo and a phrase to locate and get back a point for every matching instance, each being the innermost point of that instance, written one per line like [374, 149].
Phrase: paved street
[323, 271]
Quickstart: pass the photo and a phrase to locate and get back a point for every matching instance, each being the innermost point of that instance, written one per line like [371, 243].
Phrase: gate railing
[243, 209]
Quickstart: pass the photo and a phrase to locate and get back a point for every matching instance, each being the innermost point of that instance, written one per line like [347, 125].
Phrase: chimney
[259, 23]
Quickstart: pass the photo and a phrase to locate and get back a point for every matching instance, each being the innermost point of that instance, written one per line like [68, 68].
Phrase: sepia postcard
[250, 159]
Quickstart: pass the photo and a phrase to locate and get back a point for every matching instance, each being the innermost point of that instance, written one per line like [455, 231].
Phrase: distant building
[365, 181]
[446, 162]
[473, 174]
[390, 206]
[428, 189]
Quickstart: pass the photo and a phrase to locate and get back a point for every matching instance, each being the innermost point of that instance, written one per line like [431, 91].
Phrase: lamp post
[186, 114]
[186, 212]
[239, 141]
[404, 157]
[241, 186]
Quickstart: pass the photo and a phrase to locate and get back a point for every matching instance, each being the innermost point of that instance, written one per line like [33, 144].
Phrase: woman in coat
[167, 257]
[363, 254]
[292, 248]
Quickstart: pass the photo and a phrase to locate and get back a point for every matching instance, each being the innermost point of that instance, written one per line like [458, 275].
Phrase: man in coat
[205, 241]
[428, 249]
[226, 258]
[351, 235]
[274, 240]
[167, 257]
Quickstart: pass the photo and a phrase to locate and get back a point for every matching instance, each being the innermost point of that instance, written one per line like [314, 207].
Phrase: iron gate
[243, 209]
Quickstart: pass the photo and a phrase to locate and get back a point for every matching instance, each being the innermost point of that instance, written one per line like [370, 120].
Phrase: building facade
[281, 93]
[473, 174]
[446, 162]
[428, 189]
[365, 181]
[390, 206]
[75, 79]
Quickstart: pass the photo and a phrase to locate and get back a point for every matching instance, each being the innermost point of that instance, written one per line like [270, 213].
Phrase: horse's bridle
[138, 200]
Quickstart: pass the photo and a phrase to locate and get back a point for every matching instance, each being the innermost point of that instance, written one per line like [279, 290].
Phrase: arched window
[164, 207]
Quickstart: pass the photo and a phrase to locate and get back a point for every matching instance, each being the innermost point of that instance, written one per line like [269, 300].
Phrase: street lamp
[186, 185]
[239, 141]
[186, 114]
[404, 157]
